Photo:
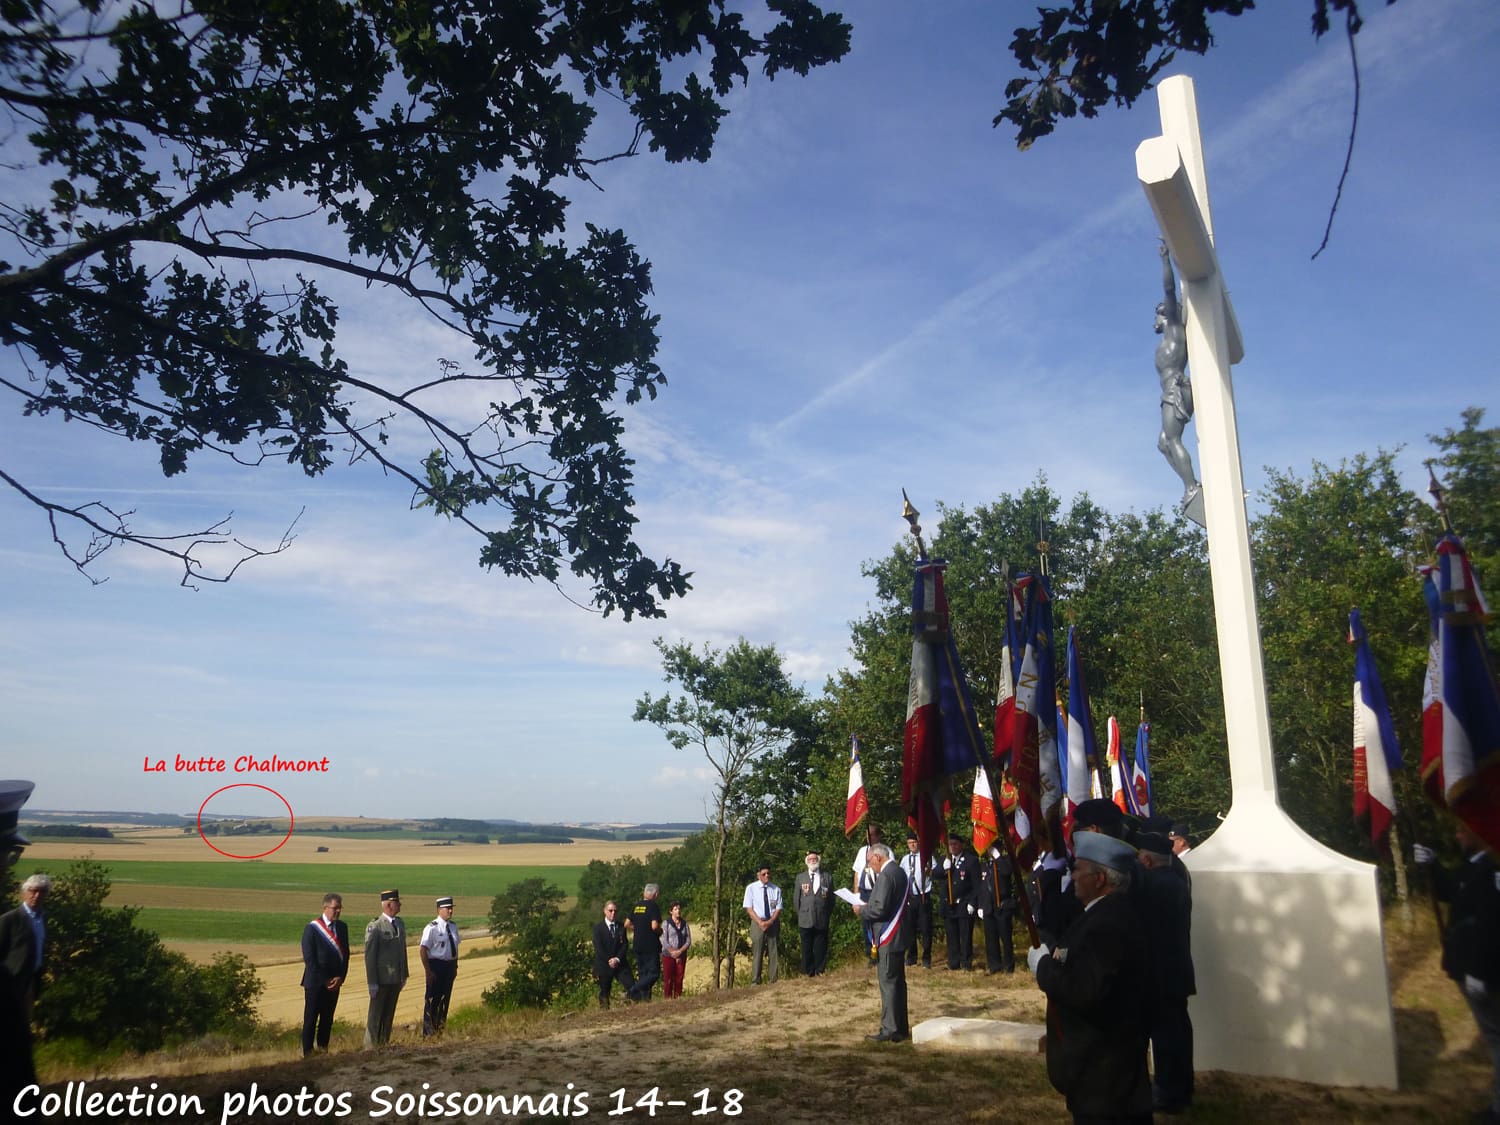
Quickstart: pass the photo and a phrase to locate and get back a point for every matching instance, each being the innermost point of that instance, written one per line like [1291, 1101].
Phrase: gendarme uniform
[439, 953]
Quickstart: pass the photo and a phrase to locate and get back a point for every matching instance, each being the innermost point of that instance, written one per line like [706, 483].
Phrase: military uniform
[385, 970]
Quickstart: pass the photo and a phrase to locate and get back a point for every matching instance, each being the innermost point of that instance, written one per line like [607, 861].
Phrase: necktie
[765, 901]
[452, 941]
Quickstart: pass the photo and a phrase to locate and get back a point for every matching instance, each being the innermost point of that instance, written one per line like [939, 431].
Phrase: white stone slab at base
[1289, 951]
[950, 1033]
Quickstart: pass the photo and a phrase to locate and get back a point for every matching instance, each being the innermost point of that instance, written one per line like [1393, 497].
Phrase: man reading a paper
[890, 926]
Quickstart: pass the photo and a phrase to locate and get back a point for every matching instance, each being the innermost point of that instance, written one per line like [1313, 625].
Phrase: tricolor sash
[892, 926]
[327, 931]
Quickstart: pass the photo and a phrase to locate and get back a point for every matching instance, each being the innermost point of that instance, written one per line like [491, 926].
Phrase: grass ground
[795, 1052]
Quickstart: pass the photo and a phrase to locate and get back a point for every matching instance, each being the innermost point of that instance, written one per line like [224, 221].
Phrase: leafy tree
[523, 904]
[227, 173]
[1469, 470]
[108, 981]
[1093, 52]
[1343, 537]
[548, 964]
[1146, 619]
[737, 707]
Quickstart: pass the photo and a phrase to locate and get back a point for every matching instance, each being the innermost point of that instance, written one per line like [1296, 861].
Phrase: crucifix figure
[1287, 940]
[1176, 390]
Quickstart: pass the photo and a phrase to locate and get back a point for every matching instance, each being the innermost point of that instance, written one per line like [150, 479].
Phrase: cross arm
[1158, 165]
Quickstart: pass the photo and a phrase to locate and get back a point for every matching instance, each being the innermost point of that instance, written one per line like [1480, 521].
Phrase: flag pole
[910, 515]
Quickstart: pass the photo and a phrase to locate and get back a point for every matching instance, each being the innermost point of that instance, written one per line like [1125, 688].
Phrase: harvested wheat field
[158, 846]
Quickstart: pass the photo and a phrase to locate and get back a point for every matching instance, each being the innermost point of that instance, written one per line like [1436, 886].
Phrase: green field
[216, 926]
[352, 880]
[202, 885]
[260, 927]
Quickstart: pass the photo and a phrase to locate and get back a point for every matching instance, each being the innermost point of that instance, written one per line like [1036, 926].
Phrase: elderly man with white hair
[1096, 987]
[890, 924]
[23, 941]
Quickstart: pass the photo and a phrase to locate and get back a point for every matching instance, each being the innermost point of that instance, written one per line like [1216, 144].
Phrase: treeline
[224, 828]
[86, 831]
[1137, 590]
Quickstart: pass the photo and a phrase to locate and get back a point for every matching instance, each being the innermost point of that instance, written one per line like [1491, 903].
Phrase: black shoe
[892, 1037]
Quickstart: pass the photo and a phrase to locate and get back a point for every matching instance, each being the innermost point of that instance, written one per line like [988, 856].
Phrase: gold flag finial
[910, 514]
[1437, 491]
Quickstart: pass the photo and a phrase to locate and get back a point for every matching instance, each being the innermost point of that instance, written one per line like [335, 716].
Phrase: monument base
[1289, 950]
[952, 1033]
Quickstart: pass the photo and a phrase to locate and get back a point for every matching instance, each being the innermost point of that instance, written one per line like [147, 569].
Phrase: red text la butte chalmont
[243, 764]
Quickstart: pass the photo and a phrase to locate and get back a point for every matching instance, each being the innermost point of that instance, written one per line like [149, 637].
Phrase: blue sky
[867, 288]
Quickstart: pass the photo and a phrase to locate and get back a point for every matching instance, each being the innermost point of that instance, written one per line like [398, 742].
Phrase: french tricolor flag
[942, 734]
[1140, 777]
[857, 805]
[1082, 755]
[1376, 751]
[1461, 706]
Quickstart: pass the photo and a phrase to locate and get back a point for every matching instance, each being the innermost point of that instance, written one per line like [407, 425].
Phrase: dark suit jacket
[886, 899]
[1472, 947]
[1168, 908]
[962, 878]
[606, 947]
[1097, 982]
[996, 889]
[320, 962]
[18, 951]
[813, 910]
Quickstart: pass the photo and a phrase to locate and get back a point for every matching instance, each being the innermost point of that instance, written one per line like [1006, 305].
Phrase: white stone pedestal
[950, 1033]
[1290, 956]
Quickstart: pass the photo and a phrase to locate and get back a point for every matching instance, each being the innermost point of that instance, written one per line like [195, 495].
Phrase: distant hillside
[497, 830]
[40, 817]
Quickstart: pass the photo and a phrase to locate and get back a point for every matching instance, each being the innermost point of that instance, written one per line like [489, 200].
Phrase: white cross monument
[1287, 936]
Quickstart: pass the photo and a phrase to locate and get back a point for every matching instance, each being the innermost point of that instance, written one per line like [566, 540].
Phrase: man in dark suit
[610, 962]
[997, 910]
[16, 1069]
[23, 942]
[958, 882]
[1165, 902]
[812, 900]
[1471, 946]
[325, 964]
[891, 925]
[1097, 988]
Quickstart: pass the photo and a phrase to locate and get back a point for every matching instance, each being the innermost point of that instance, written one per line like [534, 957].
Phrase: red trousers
[671, 975]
